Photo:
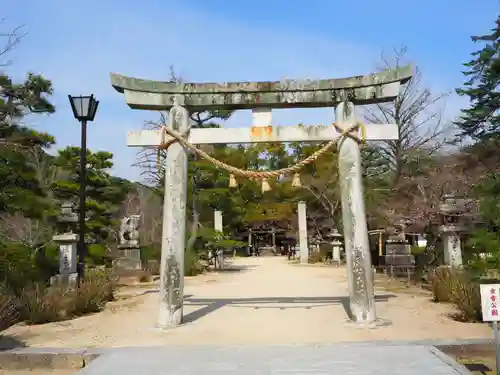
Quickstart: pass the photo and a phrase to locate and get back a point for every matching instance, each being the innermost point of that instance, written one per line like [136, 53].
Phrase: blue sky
[77, 45]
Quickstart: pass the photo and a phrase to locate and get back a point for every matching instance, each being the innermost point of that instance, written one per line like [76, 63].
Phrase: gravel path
[267, 302]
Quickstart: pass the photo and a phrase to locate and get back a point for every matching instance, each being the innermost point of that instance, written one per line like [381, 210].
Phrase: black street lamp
[84, 109]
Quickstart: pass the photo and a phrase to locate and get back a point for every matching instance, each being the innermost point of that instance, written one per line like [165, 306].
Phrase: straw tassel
[232, 181]
[265, 185]
[296, 181]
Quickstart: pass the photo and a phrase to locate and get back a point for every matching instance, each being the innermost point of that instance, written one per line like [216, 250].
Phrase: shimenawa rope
[252, 174]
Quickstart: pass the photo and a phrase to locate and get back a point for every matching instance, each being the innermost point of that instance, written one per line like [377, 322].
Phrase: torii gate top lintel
[159, 95]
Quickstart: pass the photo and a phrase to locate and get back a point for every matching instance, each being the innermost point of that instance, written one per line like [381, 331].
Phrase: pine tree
[482, 119]
[19, 189]
[105, 193]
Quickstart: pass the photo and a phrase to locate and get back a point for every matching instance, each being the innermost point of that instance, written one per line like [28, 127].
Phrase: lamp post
[84, 109]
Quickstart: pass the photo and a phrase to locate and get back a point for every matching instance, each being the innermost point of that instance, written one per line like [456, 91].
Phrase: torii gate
[261, 97]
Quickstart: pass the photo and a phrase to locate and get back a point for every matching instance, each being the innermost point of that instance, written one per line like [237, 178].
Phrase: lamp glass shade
[93, 109]
[84, 107]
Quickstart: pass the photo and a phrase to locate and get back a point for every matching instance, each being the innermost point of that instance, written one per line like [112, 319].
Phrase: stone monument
[67, 242]
[129, 251]
[451, 226]
[398, 257]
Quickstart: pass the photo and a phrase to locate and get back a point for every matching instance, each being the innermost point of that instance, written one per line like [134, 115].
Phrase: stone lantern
[67, 243]
[451, 209]
[336, 245]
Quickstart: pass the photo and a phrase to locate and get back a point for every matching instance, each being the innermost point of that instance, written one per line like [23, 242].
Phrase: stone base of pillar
[452, 249]
[220, 259]
[304, 259]
[336, 255]
[379, 322]
[69, 279]
[129, 259]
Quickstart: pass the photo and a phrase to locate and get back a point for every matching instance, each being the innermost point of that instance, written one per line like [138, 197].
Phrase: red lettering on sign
[494, 312]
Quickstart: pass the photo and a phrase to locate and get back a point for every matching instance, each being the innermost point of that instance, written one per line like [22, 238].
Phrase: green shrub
[320, 256]
[192, 265]
[153, 267]
[18, 267]
[150, 253]
[316, 257]
[48, 261]
[96, 254]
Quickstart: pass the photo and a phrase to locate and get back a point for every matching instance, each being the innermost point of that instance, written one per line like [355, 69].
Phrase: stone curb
[77, 358]
[47, 358]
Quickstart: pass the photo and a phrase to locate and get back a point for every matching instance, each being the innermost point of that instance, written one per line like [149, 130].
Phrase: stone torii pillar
[174, 223]
[357, 246]
[262, 97]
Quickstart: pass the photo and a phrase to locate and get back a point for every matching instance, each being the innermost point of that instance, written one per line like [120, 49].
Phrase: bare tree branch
[11, 39]
[34, 234]
[418, 114]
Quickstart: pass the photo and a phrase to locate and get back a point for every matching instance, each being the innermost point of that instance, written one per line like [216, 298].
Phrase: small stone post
[273, 234]
[219, 228]
[451, 209]
[174, 224]
[249, 249]
[67, 257]
[303, 246]
[359, 271]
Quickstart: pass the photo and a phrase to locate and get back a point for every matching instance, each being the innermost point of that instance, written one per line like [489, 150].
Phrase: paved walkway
[321, 360]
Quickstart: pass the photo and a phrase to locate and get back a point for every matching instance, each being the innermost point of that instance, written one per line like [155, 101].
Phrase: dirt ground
[262, 301]
[39, 372]
[478, 359]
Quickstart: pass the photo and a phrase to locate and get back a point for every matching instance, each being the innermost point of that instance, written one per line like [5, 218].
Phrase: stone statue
[129, 231]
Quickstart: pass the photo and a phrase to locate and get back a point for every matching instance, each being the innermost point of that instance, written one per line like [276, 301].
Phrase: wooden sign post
[490, 307]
